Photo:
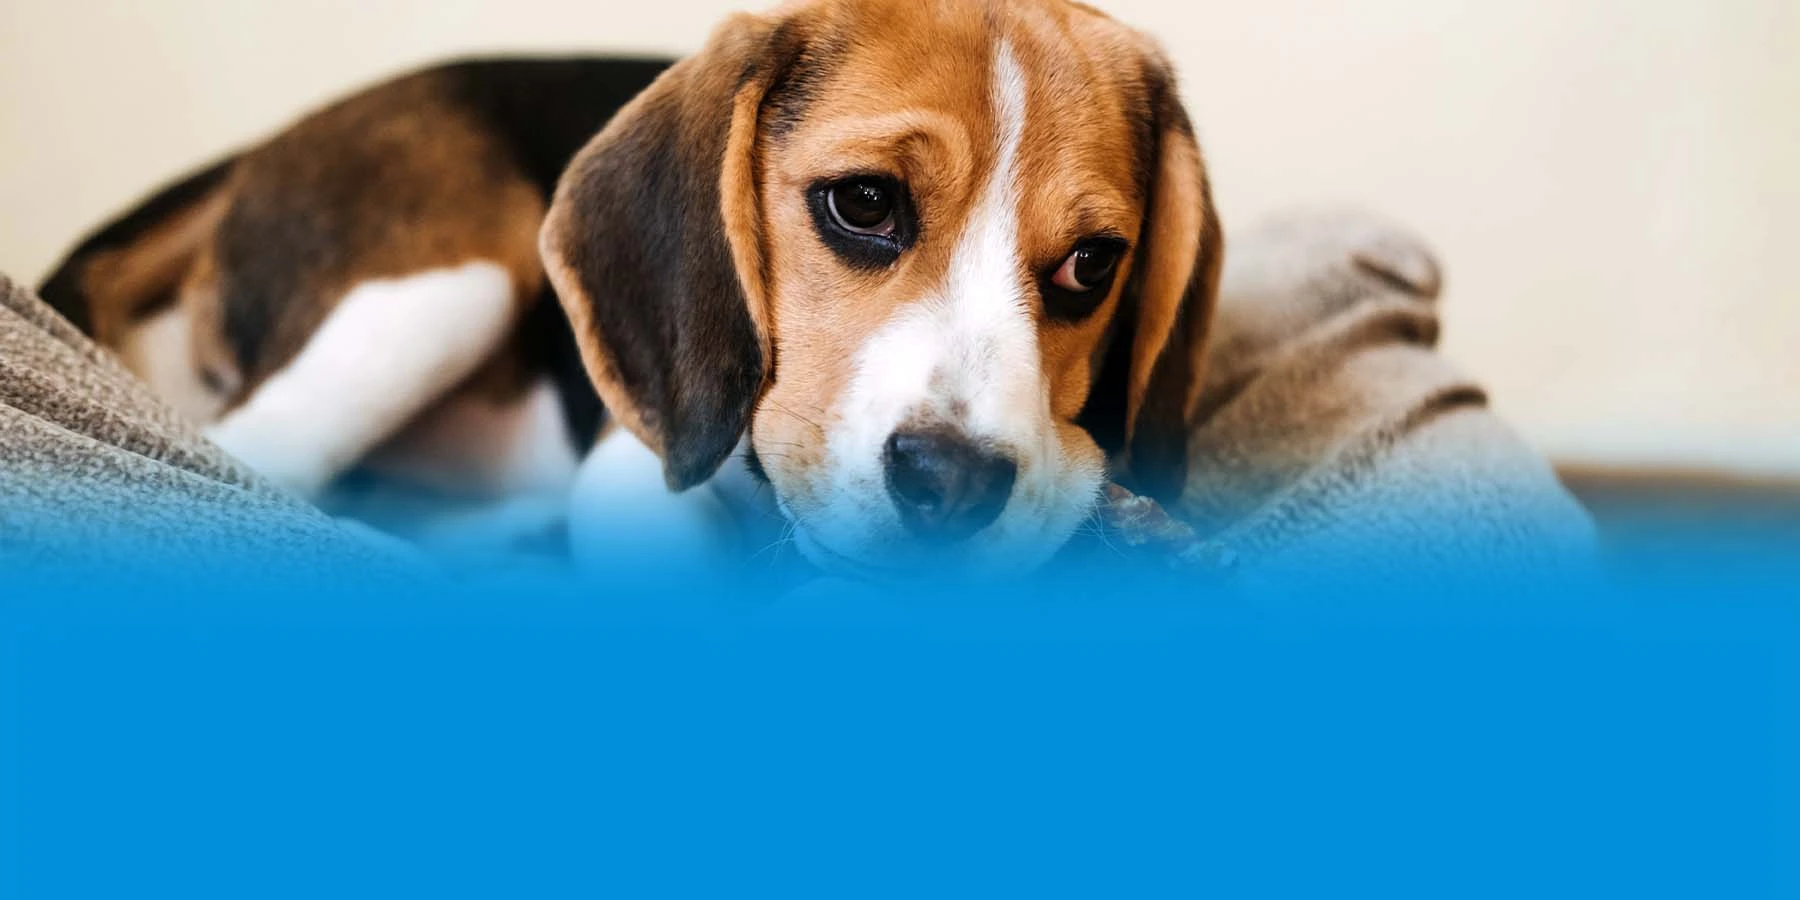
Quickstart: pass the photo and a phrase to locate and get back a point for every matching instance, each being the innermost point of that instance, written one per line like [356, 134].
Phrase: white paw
[274, 452]
[625, 522]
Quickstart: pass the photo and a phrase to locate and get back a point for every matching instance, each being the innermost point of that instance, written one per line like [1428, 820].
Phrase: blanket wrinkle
[1331, 431]
[96, 471]
[1291, 417]
[82, 387]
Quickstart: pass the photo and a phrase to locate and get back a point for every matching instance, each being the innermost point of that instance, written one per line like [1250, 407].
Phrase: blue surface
[509, 746]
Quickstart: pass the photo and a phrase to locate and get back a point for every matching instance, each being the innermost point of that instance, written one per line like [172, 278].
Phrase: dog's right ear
[1149, 384]
[653, 244]
[135, 264]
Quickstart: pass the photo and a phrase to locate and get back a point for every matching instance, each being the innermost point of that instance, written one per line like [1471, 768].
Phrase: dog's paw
[625, 523]
[274, 453]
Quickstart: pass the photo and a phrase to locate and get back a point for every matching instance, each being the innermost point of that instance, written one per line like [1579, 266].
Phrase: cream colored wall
[1614, 184]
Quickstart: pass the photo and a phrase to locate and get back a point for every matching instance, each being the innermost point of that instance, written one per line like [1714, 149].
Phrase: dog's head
[940, 262]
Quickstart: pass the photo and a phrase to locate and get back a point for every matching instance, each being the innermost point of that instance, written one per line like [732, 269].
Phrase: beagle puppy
[930, 274]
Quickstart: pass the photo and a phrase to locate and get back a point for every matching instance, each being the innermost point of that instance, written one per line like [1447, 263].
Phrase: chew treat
[1141, 524]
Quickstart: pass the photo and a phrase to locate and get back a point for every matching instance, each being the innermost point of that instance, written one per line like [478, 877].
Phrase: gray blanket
[1330, 432]
[95, 470]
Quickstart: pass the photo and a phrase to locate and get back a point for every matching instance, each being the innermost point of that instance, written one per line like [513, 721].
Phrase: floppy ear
[652, 243]
[133, 265]
[1149, 392]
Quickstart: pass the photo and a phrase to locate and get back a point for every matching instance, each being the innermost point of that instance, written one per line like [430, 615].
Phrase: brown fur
[448, 195]
[719, 164]
[913, 102]
[654, 248]
[134, 280]
[704, 304]
[431, 170]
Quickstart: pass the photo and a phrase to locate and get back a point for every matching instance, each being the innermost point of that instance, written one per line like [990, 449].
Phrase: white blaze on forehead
[964, 356]
[968, 354]
[991, 362]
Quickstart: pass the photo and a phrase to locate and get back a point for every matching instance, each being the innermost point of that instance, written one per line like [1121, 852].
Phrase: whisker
[774, 547]
[782, 407]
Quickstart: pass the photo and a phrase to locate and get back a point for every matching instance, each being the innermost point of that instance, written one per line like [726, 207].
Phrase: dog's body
[410, 205]
[926, 269]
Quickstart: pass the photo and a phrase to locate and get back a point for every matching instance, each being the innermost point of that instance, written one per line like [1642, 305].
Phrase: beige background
[1614, 184]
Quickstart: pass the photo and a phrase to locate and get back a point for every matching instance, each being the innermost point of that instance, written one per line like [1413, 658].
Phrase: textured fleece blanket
[95, 470]
[1329, 432]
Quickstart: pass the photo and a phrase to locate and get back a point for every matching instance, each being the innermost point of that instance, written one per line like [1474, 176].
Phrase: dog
[929, 273]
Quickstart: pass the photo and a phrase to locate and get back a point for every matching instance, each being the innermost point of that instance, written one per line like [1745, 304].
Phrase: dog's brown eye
[867, 220]
[1089, 266]
[863, 205]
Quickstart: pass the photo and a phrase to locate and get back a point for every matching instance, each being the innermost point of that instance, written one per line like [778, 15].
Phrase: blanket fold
[1331, 432]
[95, 469]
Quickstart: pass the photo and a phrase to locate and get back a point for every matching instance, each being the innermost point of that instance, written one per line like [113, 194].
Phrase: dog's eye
[863, 206]
[867, 220]
[1089, 267]
[1079, 283]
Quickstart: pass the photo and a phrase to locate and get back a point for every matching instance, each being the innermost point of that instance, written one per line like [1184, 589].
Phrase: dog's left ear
[1149, 393]
[653, 245]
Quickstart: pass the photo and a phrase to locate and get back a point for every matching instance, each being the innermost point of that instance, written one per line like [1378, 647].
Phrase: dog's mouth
[812, 541]
[831, 561]
[949, 565]
[834, 563]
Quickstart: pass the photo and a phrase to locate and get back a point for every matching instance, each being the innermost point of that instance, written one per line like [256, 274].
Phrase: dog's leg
[388, 349]
[625, 522]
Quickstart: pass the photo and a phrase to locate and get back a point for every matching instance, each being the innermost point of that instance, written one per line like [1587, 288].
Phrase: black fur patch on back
[270, 248]
[547, 109]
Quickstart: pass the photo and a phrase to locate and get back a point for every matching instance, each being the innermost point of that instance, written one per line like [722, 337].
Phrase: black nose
[945, 486]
